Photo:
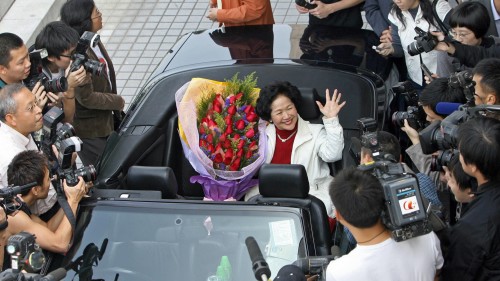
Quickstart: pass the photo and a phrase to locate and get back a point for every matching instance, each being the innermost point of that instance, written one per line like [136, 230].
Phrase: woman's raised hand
[332, 106]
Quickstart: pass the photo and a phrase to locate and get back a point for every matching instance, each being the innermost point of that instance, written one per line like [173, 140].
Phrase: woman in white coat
[292, 140]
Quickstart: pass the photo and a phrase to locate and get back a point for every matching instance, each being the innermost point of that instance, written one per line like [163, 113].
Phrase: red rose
[201, 129]
[222, 138]
[249, 154]
[253, 146]
[241, 143]
[252, 117]
[236, 136]
[228, 156]
[232, 99]
[211, 124]
[218, 158]
[240, 124]
[228, 120]
[210, 148]
[226, 144]
[235, 165]
[203, 143]
[210, 138]
[239, 95]
[249, 109]
[250, 133]
[229, 130]
[239, 153]
[231, 110]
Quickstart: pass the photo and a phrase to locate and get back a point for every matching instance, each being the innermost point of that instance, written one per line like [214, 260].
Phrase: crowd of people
[465, 36]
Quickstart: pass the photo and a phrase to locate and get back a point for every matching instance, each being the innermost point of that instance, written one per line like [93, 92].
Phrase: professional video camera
[442, 158]
[80, 56]
[442, 135]
[306, 4]
[25, 253]
[424, 42]
[10, 202]
[405, 215]
[36, 74]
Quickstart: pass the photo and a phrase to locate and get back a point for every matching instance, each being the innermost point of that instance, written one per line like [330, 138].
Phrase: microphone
[259, 265]
[446, 108]
[55, 275]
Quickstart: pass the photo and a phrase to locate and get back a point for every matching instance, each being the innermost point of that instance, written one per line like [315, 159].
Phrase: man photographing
[55, 234]
[359, 200]
[19, 117]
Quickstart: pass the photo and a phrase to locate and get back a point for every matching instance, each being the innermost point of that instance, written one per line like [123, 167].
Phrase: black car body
[168, 239]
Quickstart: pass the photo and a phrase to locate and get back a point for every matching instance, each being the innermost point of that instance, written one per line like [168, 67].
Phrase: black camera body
[414, 114]
[424, 42]
[66, 169]
[463, 79]
[442, 158]
[368, 131]
[80, 56]
[36, 74]
[10, 202]
[306, 4]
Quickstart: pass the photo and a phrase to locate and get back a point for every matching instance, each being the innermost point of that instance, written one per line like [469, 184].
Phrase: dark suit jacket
[95, 102]
[492, 30]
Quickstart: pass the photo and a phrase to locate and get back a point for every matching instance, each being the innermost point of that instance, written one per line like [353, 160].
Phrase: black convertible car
[143, 221]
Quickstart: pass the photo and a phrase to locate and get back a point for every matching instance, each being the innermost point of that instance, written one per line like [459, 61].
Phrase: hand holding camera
[75, 193]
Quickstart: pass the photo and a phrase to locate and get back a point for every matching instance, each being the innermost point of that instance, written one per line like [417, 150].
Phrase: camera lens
[88, 173]
[94, 67]
[56, 85]
[415, 48]
[399, 117]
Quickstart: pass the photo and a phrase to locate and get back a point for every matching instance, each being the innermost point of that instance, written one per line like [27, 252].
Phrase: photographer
[469, 23]
[487, 77]
[15, 66]
[236, 13]
[474, 249]
[60, 42]
[405, 16]
[19, 117]
[97, 101]
[55, 234]
[359, 200]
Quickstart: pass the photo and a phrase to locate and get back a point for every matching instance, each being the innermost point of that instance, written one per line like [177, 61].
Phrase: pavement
[136, 33]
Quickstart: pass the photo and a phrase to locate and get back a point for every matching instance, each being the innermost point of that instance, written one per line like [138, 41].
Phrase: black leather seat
[288, 185]
[153, 178]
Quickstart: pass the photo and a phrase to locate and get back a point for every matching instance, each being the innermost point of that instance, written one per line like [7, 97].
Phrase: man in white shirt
[359, 200]
[19, 117]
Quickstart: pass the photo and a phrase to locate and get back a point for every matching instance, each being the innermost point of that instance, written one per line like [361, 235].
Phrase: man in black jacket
[474, 251]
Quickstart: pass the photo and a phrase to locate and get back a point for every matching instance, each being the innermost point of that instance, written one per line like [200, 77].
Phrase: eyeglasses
[99, 14]
[460, 35]
[66, 56]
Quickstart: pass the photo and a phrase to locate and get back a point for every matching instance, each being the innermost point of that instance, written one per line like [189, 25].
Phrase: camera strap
[63, 202]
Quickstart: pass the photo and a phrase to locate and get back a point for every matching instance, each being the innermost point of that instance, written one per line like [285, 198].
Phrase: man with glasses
[19, 117]
[55, 234]
[60, 41]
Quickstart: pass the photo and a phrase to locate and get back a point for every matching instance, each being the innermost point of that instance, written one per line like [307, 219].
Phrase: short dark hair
[270, 92]
[489, 70]
[472, 15]
[57, 37]
[78, 14]
[388, 144]
[440, 91]
[479, 144]
[8, 104]
[463, 180]
[8, 42]
[358, 197]
[27, 167]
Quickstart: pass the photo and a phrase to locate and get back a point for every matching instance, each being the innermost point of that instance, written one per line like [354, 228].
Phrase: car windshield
[185, 243]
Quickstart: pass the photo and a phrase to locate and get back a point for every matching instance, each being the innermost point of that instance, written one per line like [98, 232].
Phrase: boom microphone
[446, 108]
[259, 265]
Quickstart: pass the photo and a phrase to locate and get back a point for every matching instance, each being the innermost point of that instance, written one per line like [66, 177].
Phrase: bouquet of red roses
[222, 137]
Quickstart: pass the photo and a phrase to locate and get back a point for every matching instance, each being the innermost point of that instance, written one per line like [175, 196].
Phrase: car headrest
[153, 178]
[307, 108]
[283, 180]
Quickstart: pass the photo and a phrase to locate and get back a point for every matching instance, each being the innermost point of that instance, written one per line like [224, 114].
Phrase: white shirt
[12, 143]
[416, 259]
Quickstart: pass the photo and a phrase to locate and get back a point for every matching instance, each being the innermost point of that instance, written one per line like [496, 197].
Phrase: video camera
[25, 253]
[442, 135]
[10, 202]
[36, 74]
[80, 56]
[424, 42]
[404, 215]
